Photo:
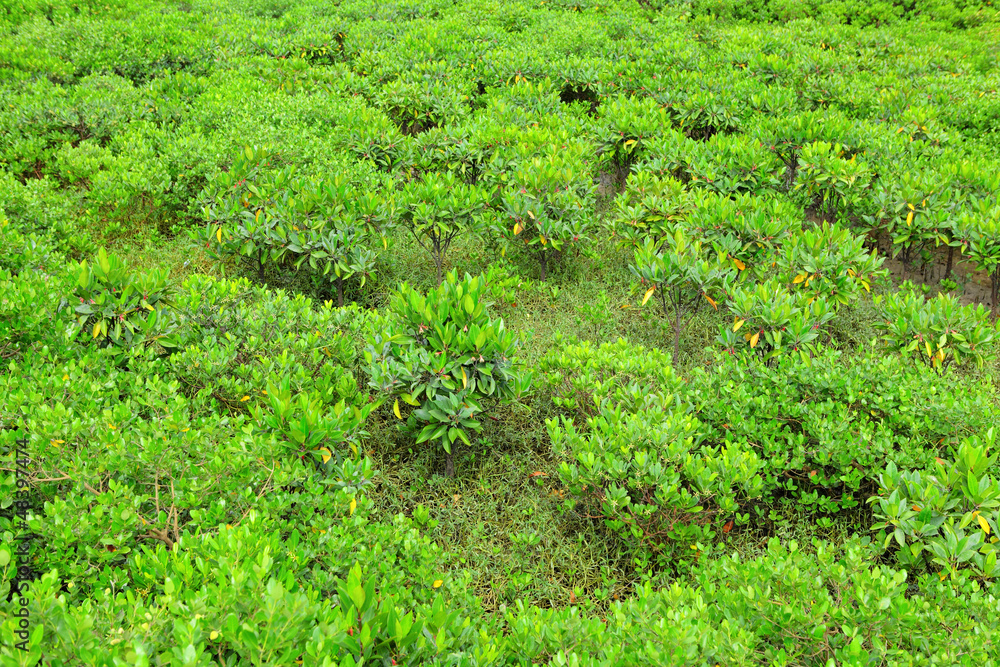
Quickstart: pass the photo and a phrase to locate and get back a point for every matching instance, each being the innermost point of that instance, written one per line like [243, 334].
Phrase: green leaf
[357, 594]
[102, 259]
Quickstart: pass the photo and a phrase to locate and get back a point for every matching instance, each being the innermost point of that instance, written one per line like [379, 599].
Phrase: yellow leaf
[245, 398]
[630, 142]
[213, 635]
[940, 355]
[531, 215]
[149, 307]
[740, 265]
[864, 284]
[218, 234]
[985, 525]
[928, 346]
[65, 377]
[438, 583]
[799, 278]
[385, 243]
[911, 207]
[326, 454]
[395, 409]
[649, 293]
[851, 273]
[909, 218]
[465, 379]
[354, 505]
[518, 228]
[541, 237]
[753, 341]
[97, 329]
[738, 324]
[711, 302]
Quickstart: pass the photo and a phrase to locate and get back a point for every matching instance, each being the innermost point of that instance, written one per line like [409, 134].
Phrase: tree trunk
[677, 333]
[437, 245]
[790, 168]
[951, 255]
[995, 297]
[542, 256]
[340, 291]
[449, 464]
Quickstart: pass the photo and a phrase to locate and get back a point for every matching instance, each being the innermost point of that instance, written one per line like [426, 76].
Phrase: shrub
[702, 115]
[748, 228]
[827, 427]
[831, 183]
[776, 321]
[650, 208]
[915, 211]
[445, 356]
[551, 206]
[628, 124]
[788, 136]
[734, 164]
[439, 209]
[271, 218]
[792, 603]
[120, 308]
[332, 230]
[979, 234]
[828, 261]
[927, 515]
[938, 331]
[31, 284]
[301, 423]
[417, 106]
[239, 216]
[640, 464]
[237, 338]
[258, 605]
[683, 274]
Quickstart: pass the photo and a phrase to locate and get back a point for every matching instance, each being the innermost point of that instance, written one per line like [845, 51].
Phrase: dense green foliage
[694, 304]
